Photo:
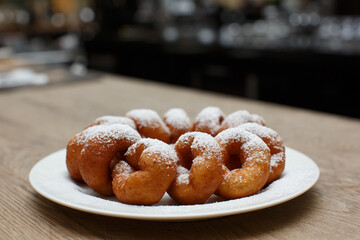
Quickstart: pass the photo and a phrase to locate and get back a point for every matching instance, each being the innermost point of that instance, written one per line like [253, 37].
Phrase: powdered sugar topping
[202, 142]
[240, 117]
[274, 141]
[107, 133]
[210, 117]
[123, 168]
[207, 143]
[147, 118]
[182, 175]
[250, 141]
[276, 159]
[108, 120]
[165, 153]
[177, 118]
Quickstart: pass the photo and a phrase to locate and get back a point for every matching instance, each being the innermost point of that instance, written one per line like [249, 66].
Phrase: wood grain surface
[35, 122]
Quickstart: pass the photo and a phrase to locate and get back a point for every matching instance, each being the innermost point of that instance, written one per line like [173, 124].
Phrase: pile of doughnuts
[141, 156]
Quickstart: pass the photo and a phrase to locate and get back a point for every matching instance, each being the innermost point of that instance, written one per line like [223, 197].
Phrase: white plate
[50, 178]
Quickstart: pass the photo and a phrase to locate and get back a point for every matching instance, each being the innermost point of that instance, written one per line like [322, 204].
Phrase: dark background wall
[303, 53]
[313, 65]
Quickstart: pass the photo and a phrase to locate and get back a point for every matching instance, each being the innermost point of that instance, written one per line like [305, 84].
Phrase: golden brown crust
[238, 118]
[98, 147]
[177, 120]
[73, 150]
[110, 156]
[77, 143]
[149, 124]
[276, 146]
[209, 120]
[149, 170]
[109, 120]
[199, 170]
[255, 163]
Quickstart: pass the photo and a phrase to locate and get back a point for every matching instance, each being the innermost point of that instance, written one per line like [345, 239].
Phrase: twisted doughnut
[149, 124]
[73, 151]
[199, 171]
[276, 146]
[110, 156]
[147, 173]
[209, 120]
[178, 122]
[102, 145]
[240, 117]
[254, 156]
[109, 120]
[77, 143]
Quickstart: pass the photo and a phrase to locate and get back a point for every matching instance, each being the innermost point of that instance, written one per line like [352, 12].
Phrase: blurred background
[303, 53]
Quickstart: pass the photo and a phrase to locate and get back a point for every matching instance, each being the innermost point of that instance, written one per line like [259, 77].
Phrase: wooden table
[35, 122]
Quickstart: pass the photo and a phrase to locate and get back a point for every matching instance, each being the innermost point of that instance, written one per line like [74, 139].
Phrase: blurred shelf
[325, 81]
[45, 28]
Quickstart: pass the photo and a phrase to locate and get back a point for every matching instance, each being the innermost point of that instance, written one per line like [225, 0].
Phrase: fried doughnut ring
[103, 144]
[276, 146]
[199, 171]
[149, 124]
[255, 160]
[240, 117]
[76, 143]
[73, 151]
[209, 120]
[149, 170]
[178, 122]
[109, 120]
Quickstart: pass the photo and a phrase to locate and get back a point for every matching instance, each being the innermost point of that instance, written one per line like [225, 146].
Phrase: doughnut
[199, 171]
[276, 146]
[109, 120]
[147, 173]
[73, 151]
[149, 124]
[254, 156]
[178, 122]
[240, 117]
[209, 120]
[103, 144]
[139, 157]
[76, 143]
